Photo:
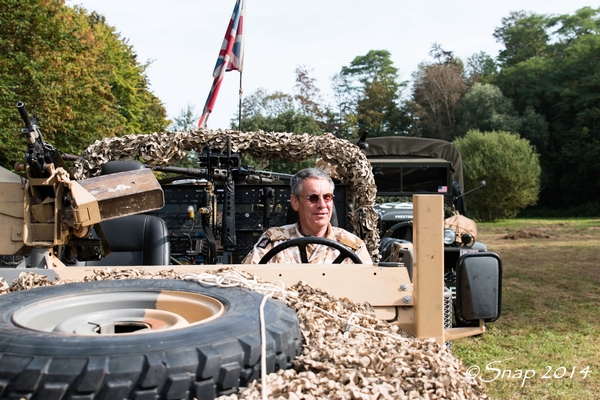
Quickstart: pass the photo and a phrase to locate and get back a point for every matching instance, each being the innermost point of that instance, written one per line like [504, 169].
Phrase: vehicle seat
[135, 239]
[112, 167]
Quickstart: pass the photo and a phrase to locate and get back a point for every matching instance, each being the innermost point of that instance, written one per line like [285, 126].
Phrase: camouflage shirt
[316, 253]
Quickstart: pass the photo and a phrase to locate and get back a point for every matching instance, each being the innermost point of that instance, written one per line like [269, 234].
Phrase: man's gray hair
[306, 173]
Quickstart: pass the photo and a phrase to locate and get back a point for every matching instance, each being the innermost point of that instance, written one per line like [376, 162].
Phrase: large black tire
[201, 360]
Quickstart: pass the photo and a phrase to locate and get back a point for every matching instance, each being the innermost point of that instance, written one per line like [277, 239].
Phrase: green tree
[307, 94]
[276, 113]
[345, 104]
[485, 108]
[437, 92]
[368, 94]
[557, 75]
[186, 120]
[72, 69]
[509, 165]
[534, 128]
[310, 102]
[262, 104]
[524, 36]
[480, 67]
[143, 112]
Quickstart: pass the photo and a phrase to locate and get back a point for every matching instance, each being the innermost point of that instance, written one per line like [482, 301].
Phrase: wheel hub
[119, 312]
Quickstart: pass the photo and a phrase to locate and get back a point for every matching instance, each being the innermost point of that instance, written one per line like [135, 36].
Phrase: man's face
[313, 217]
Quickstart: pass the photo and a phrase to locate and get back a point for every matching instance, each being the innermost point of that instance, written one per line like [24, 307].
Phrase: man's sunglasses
[314, 198]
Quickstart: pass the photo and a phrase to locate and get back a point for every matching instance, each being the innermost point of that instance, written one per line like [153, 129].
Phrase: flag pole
[230, 58]
[240, 105]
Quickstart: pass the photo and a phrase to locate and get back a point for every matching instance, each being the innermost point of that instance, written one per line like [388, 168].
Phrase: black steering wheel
[345, 251]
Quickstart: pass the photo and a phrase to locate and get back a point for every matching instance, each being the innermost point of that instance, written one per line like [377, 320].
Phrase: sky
[182, 39]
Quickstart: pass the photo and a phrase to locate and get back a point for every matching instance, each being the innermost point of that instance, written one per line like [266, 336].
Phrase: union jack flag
[231, 56]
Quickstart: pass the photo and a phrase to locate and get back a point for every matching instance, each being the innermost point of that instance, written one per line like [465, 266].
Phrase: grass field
[546, 344]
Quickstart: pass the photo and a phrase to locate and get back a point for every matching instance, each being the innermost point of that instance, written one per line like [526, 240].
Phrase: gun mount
[47, 209]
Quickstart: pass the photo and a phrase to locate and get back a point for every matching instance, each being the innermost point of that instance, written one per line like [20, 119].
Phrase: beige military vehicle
[165, 338]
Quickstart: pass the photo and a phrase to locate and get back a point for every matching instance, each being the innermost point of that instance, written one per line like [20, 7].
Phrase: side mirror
[479, 287]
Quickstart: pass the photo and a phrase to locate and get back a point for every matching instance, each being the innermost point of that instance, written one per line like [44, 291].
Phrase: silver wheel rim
[119, 312]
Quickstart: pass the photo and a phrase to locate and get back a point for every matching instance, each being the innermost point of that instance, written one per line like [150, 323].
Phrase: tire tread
[182, 370]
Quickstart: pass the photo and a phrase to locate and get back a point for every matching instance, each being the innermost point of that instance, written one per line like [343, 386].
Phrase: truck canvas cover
[404, 147]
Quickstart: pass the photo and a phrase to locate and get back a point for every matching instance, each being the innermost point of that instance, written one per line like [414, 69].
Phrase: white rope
[228, 279]
[234, 279]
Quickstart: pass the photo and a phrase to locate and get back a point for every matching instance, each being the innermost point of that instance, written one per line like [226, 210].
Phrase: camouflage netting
[345, 160]
[347, 354]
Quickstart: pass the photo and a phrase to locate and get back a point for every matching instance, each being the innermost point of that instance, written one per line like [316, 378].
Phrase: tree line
[85, 81]
[543, 87]
[75, 71]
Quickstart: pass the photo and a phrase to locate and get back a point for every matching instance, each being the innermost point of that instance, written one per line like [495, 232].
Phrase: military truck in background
[407, 166]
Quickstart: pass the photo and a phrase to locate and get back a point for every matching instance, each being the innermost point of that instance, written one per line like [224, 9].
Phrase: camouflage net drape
[346, 352]
[346, 160]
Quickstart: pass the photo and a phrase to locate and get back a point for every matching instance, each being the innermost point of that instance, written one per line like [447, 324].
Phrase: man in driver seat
[312, 197]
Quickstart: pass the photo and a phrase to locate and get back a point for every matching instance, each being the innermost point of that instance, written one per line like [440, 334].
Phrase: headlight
[467, 239]
[449, 236]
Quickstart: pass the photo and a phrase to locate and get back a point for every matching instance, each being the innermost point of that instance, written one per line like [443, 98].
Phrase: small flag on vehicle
[442, 189]
[231, 57]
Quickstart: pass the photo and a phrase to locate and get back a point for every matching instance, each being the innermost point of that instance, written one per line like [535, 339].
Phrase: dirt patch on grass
[527, 234]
